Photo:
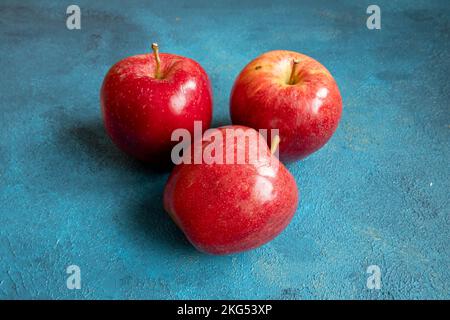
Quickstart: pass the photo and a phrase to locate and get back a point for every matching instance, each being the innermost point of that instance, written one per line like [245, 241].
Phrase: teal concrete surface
[376, 194]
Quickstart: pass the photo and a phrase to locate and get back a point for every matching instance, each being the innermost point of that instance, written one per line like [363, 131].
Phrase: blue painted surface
[378, 193]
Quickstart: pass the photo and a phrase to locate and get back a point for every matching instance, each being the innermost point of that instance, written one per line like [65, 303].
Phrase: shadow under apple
[148, 223]
[144, 219]
[94, 141]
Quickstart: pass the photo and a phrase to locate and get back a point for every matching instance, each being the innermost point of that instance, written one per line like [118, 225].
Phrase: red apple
[145, 97]
[291, 92]
[230, 207]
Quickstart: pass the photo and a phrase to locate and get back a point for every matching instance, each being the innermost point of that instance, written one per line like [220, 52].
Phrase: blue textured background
[378, 193]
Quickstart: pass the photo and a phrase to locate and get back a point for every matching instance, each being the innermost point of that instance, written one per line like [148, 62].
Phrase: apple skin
[229, 208]
[306, 113]
[141, 111]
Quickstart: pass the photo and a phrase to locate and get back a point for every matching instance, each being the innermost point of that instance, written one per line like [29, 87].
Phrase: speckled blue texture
[378, 193]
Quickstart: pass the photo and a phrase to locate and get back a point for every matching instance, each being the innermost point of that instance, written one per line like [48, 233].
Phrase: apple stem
[155, 49]
[274, 144]
[295, 62]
